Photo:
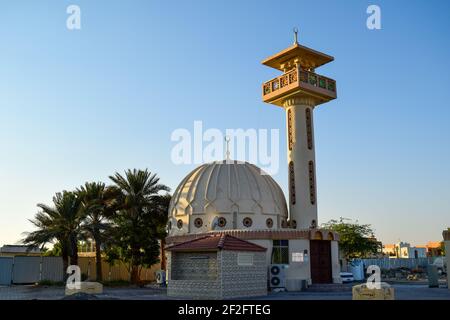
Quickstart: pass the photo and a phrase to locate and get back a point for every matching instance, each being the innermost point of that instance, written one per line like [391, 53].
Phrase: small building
[217, 266]
[404, 250]
[433, 248]
[9, 250]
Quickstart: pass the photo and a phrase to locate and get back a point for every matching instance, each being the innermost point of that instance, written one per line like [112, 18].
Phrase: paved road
[402, 292]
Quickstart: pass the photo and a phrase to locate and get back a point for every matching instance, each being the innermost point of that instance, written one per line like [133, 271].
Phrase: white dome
[221, 196]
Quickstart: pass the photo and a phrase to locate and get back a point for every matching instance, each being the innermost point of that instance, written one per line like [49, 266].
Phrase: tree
[356, 240]
[60, 222]
[98, 204]
[161, 214]
[56, 251]
[135, 234]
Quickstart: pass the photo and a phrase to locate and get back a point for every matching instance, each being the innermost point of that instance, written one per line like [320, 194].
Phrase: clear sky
[80, 105]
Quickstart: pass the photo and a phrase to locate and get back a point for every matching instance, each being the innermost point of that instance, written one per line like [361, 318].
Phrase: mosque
[231, 232]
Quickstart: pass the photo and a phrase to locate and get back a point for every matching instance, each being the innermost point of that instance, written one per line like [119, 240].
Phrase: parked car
[347, 277]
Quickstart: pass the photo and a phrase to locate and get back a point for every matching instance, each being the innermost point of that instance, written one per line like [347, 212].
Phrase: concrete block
[361, 292]
[86, 287]
[295, 284]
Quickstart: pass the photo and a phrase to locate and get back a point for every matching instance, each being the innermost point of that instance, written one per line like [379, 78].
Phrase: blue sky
[80, 105]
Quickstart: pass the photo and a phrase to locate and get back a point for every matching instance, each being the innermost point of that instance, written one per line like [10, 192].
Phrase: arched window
[292, 182]
[312, 183]
[290, 129]
[318, 235]
[309, 135]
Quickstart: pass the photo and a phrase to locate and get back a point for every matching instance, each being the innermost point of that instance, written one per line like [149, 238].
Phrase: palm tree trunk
[98, 260]
[135, 265]
[74, 251]
[65, 258]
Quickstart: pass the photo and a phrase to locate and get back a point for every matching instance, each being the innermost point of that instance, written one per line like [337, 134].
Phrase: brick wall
[243, 281]
[202, 275]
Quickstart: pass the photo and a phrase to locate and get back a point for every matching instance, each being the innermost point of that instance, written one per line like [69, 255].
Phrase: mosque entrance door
[320, 255]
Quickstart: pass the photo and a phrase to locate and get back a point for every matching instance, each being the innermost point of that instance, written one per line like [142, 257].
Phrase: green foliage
[116, 283]
[56, 251]
[60, 222]
[126, 220]
[50, 283]
[138, 221]
[356, 240]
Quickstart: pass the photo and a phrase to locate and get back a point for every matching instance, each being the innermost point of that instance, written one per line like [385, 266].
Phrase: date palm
[138, 191]
[58, 223]
[161, 214]
[98, 203]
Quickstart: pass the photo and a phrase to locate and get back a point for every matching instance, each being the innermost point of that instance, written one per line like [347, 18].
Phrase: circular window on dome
[222, 222]
[198, 222]
[294, 224]
[180, 224]
[247, 222]
[269, 223]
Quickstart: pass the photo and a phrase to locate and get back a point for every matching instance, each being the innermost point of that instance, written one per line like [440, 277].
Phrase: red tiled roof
[216, 242]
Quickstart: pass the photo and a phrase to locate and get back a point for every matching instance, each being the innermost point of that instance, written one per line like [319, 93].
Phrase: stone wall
[193, 275]
[194, 266]
[243, 281]
[217, 275]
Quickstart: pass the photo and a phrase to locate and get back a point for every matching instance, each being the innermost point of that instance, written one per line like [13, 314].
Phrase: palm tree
[60, 222]
[161, 211]
[138, 190]
[98, 205]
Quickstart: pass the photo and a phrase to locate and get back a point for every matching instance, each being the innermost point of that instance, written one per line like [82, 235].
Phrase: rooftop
[307, 57]
[8, 248]
[216, 242]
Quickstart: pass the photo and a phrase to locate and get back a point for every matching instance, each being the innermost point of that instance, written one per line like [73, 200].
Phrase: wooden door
[320, 255]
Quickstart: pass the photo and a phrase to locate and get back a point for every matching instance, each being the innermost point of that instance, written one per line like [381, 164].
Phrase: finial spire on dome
[227, 140]
[295, 35]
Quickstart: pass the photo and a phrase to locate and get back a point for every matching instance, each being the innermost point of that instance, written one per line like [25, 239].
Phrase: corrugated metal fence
[6, 264]
[27, 269]
[393, 263]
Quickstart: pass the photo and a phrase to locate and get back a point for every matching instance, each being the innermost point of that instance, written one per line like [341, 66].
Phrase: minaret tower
[298, 91]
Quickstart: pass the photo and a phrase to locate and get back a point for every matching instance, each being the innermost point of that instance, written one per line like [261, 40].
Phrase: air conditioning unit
[277, 276]
[160, 276]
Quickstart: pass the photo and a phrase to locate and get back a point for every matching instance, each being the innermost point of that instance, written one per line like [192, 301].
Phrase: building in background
[433, 248]
[404, 250]
[12, 250]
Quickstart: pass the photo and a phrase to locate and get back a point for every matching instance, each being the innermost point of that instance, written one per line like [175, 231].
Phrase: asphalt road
[402, 292]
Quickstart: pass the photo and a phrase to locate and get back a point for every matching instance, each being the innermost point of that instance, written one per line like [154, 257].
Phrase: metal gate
[52, 269]
[26, 270]
[6, 265]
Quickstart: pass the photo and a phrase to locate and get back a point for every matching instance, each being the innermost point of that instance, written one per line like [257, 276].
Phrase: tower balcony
[299, 82]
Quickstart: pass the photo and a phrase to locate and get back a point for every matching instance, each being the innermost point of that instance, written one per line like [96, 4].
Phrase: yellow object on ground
[361, 292]
[86, 287]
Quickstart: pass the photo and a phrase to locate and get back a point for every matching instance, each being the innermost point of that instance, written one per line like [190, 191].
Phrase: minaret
[299, 90]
